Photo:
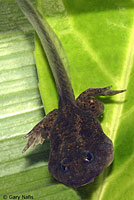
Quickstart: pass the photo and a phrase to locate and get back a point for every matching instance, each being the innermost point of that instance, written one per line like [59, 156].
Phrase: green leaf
[98, 37]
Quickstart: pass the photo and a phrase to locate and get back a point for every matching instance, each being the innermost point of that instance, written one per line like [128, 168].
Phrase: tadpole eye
[64, 168]
[92, 106]
[89, 157]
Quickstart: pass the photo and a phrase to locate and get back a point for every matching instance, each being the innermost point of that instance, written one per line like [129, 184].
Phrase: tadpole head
[80, 150]
[79, 162]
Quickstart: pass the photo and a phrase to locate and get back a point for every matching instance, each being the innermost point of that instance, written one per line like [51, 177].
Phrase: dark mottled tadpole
[80, 150]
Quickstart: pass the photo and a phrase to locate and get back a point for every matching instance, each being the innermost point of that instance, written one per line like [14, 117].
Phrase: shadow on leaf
[39, 154]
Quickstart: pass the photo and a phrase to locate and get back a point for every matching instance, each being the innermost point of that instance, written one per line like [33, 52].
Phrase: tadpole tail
[53, 49]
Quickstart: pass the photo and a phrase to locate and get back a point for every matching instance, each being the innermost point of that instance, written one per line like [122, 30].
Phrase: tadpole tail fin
[53, 49]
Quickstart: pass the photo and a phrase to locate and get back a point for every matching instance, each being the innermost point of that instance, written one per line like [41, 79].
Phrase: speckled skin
[80, 150]
[75, 132]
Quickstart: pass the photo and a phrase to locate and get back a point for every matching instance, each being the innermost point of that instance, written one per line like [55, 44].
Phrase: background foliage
[98, 37]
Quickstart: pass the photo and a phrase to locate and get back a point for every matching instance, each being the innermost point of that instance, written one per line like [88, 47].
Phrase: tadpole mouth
[82, 183]
[91, 181]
